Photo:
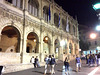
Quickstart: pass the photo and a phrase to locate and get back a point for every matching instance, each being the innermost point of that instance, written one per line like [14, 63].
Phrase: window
[17, 3]
[46, 13]
[89, 43]
[69, 28]
[10, 1]
[33, 6]
[63, 24]
[56, 19]
[95, 42]
[73, 30]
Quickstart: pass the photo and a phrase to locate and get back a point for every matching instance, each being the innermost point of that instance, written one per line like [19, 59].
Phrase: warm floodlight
[92, 35]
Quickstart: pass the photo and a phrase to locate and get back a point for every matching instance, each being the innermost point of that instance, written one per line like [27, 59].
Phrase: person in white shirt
[33, 61]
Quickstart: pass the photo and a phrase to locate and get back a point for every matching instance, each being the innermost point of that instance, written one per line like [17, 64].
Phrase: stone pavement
[85, 70]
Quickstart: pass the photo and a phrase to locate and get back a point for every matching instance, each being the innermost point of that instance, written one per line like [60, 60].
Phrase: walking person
[78, 63]
[37, 62]
[46, 59]
[98, 56]
[52, 63]
[96, 59]
[66, 64]
[33, 61]
[1, 69]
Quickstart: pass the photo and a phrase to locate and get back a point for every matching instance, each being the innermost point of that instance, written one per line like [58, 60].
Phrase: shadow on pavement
[38, 72]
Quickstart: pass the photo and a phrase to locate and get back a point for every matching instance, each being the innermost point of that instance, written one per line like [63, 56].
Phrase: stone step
[18, 67]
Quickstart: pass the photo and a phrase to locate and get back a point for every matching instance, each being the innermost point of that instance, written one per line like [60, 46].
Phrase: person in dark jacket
[52, 63]
[66, 64]
[37, 61]
[1, 68]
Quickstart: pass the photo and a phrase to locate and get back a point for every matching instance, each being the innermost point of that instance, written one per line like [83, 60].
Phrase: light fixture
[98, 28]
[93, 35]
[34, 40]
[46, 38]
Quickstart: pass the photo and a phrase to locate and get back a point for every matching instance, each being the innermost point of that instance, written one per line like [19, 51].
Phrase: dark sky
[86, 15]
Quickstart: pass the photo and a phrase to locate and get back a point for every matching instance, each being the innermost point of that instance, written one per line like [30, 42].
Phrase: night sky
[83, 9]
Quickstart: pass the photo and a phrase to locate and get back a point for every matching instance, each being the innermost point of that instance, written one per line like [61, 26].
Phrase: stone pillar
[71, 29]
[26, 7]
[41, 45]
[67, 49]
[52, 14]
[0, 36]
[21, 53]
[77, 48]
[20, 45]
[60, 56]
[51, 49]
[41, 9]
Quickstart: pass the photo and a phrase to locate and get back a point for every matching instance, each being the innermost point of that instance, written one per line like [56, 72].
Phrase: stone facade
[28, 30]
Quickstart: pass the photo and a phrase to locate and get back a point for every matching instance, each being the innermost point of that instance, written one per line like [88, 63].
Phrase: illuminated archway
[57, 45]
[10, 39]
[32, 43]
[46, 45]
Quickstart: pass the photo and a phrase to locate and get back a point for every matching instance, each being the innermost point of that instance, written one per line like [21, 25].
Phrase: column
[26, 7]
[52, 13]
[41, 9]
[71, 29]
[0, 36]
[60, 56]
[41, 45]
[51, 49]
[67, 48]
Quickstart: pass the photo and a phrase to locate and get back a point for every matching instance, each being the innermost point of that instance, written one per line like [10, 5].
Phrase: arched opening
[32, 43]
[10, 40]
[46, 45]
[57, 45]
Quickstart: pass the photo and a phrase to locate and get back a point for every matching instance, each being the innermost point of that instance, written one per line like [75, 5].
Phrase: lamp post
[96, 7]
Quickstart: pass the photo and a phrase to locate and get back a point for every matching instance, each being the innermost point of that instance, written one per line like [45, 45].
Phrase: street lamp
[96, 7]
[93, 35]
[98, 28]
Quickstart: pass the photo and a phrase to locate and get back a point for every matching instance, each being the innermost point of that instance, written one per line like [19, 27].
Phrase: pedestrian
[66, 64]
[52, 63]
[37, 62]
[33, 61]
[46, 59]
[98, 56]
[96, 59]
[78, 63]
[1, 69]
[49, 60]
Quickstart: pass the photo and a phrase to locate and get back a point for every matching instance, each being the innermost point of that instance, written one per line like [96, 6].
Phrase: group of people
[49, 62]
[92, 59]
[35, 61]
[77, 62]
